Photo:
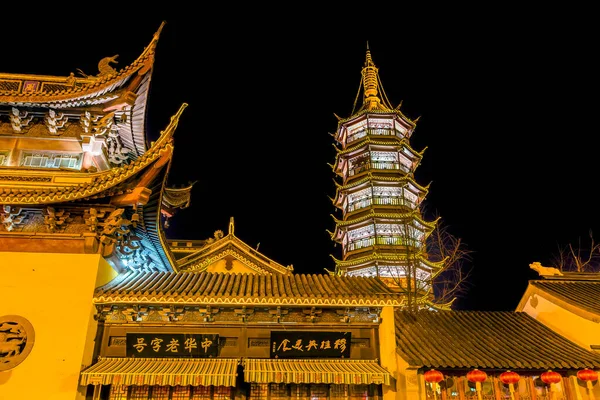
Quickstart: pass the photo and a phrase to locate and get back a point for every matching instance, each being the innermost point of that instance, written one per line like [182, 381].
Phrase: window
[50, 160]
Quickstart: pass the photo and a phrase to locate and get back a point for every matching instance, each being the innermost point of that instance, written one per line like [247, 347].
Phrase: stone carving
[104, 65]
[16, 340]
[55, 121]
[545, 271]
[12, 217]
[19, 119]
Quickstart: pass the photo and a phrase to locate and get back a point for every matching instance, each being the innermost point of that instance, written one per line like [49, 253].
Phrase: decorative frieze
[237, 315]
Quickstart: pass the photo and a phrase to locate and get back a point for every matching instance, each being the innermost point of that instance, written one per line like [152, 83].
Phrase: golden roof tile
[246, 289]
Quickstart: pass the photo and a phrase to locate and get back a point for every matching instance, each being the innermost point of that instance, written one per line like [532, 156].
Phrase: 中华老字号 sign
[172, 345]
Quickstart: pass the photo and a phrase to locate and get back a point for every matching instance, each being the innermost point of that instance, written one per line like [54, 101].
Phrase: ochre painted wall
[54, 293]
[580, 330]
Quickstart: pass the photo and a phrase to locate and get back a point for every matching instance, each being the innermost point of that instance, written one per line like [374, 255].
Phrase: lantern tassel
[478, 389]
[511, 388]
[590, 388]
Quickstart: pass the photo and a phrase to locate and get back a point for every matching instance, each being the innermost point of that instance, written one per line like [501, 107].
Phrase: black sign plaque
[285, 344]
[172, 345]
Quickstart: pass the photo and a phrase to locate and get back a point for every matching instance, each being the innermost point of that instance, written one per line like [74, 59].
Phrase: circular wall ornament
[16, 340]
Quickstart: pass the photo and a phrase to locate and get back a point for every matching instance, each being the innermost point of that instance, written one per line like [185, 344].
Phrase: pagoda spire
[371, 99]
[372, 86]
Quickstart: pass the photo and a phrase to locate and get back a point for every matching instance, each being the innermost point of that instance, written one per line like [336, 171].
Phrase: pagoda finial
[231, 227]
[370, 83]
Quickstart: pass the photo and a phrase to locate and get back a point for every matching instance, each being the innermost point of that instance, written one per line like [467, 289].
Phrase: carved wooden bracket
[278, 313]
[312, 313]
[243, 313]
[208, 313]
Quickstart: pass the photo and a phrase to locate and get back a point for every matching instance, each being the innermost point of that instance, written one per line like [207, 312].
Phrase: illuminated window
[160, 392]
[181, 393]
[50, 160]
[118, 392]
[139, 392]
[3, 157]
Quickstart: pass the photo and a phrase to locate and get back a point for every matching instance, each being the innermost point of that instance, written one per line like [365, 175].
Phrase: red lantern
[509, 377]
[433, 376]
[587, 375]
[549, 377]
[476, 375]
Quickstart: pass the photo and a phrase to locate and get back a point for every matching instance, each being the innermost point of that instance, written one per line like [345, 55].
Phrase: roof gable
[227, 254]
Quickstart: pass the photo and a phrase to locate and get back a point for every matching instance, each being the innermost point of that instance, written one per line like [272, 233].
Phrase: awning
[344, 371]
[161, 371]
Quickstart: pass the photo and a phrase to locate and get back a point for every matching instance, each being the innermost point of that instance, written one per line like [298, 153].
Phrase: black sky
[508, 109]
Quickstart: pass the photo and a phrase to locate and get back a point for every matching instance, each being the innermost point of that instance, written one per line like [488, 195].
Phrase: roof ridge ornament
[231, 227]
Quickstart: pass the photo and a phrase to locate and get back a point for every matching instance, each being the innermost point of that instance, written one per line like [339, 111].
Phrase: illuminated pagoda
[382, 232]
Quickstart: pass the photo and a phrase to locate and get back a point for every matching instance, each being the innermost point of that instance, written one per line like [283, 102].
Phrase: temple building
[96, 302]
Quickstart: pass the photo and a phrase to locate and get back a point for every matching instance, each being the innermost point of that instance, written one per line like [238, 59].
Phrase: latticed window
[50, 160]
[279, 391]
[201, 393]
[222, 392]
[118, 392]
[139, 392]
[181, 393]
[3, 158]
[259, 391]
[160, 393]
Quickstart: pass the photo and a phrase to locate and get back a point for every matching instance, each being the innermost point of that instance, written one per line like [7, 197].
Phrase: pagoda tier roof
[60, 92]
[368, 141]
[485, 340]
[177, 197]
[119, 95]
[213, 250]
[376, 178]
[413, 215]
[387, 258]
[219, 288]
[45, 186]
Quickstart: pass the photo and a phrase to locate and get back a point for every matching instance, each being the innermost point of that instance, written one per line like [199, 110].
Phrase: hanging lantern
[433, 376]
[510, 378]
[550, 377]
[587, 375]
[476, 376]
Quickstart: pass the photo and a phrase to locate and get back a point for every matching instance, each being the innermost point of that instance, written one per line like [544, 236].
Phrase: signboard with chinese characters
[285, 344]
[172, 345]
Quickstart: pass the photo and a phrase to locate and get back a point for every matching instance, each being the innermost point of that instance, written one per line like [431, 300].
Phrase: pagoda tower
[382, 232]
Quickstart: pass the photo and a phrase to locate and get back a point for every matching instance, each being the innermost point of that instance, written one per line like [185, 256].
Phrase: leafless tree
[451, 282]
[444, 285]
[583, 257]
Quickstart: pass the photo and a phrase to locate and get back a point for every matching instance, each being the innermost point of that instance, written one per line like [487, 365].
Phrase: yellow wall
[580, 330]
[53, 292]
[387, 350]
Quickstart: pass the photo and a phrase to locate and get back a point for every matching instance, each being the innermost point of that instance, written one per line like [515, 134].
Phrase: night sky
[508, 113]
